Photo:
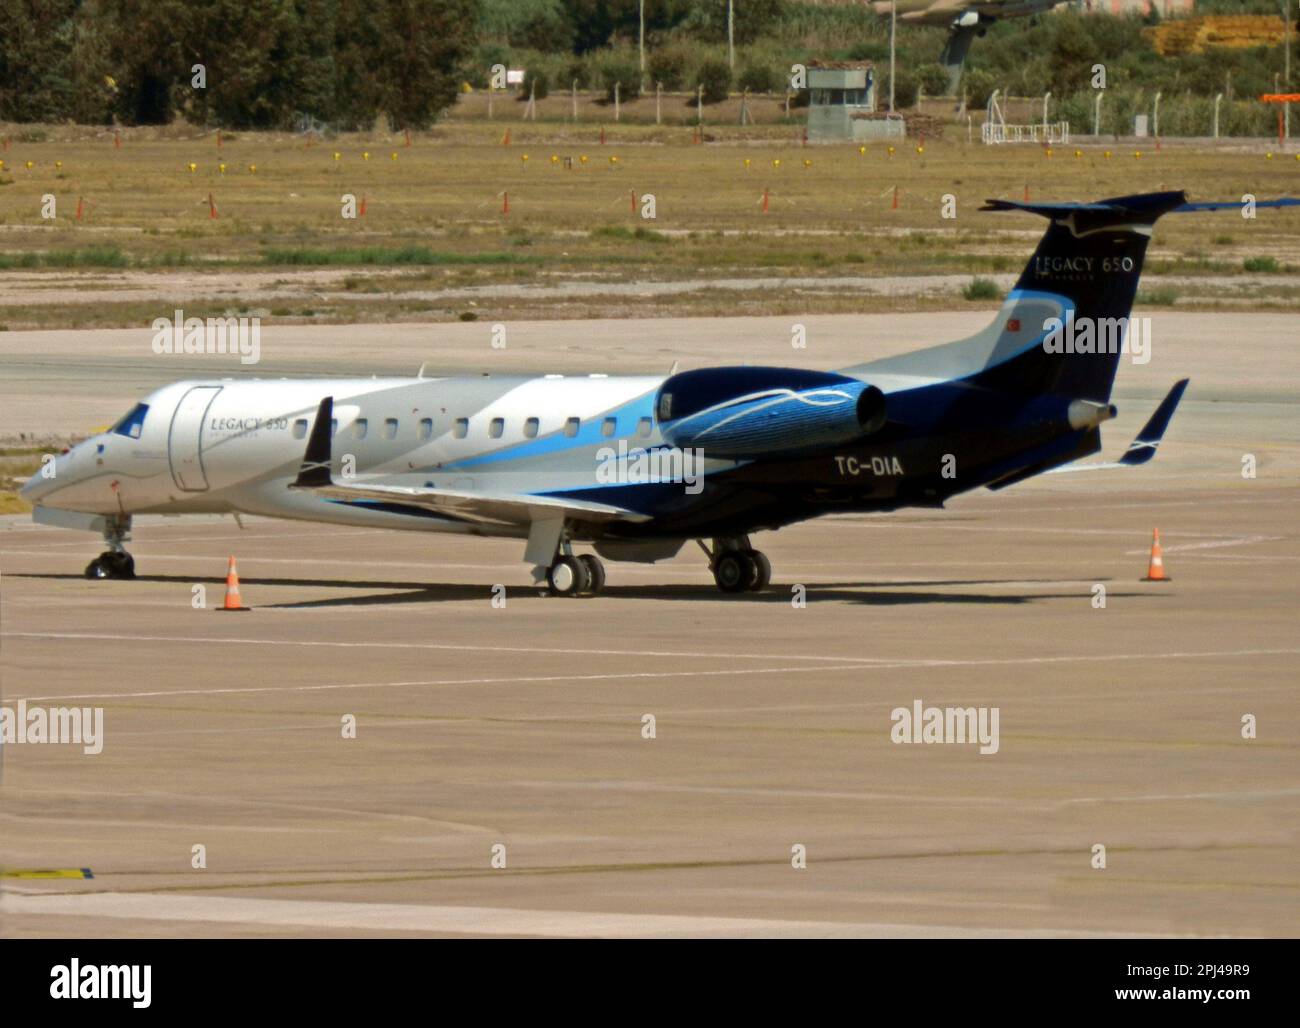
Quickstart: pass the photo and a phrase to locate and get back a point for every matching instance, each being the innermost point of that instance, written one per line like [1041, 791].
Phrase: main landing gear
[575, 576]
[736, 566]
[114, 562]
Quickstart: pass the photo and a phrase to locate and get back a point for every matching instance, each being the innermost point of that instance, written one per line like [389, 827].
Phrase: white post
[731, 35]
[616, 85]
[1286, 107]
[1046, 97]
[699, 104]
[1155, 116]
[1096, 115]
[641, 40]
[893, 24]
[1217, 100]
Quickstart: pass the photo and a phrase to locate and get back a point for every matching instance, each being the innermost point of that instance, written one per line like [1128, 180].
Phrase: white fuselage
[236, 445]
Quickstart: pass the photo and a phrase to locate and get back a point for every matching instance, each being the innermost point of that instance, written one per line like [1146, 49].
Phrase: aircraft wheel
[122, 565]
[111, 565]
[595, 573]
[762, 576]
[733, 571]
[568, 576]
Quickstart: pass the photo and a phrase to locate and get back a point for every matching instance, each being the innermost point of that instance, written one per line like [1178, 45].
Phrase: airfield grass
[434, 219]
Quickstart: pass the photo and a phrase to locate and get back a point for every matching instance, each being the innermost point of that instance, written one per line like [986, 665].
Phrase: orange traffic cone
[1156, 569]
[233, 601]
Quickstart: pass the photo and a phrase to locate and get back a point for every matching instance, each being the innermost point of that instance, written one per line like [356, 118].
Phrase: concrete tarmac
[522, 727]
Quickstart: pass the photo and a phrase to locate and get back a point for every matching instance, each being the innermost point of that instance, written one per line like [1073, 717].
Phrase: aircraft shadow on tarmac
[861, 592]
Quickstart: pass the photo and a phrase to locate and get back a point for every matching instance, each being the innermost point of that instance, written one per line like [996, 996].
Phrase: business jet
[636, 466]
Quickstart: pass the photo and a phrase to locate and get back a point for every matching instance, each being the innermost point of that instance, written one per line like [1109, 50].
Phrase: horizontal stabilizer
[1143, 448]
[1234, 205]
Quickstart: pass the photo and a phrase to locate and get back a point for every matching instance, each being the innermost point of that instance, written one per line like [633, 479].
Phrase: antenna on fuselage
[673, 369]
[420, 373]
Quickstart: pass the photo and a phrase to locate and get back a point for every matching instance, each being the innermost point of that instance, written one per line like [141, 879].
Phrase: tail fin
[1086, 266]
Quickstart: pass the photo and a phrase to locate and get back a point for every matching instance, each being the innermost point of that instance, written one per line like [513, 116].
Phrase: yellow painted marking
[57, 872]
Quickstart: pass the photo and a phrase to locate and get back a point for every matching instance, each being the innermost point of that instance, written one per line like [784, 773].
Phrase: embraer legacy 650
[637, 466]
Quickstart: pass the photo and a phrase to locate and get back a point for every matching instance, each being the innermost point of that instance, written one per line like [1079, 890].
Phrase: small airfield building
[842, 104]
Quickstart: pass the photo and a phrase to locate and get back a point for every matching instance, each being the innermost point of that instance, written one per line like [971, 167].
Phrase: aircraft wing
[459, 504]
[1143, 446]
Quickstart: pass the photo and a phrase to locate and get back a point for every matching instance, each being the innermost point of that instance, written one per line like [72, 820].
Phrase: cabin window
[359, 428]
[390, 428]
[300, 428]
[530, 428]
[571, 426]
[462, 428]
[426, 428]
[609, 427]
[496, 428]
[643, 428]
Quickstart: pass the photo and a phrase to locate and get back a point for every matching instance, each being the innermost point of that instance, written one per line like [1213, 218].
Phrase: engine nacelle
[748, 412]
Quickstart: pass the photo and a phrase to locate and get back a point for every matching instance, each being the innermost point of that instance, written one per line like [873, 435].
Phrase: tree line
[269, 64]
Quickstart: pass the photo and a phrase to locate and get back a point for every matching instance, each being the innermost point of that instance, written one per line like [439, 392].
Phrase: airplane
[638, 465]
[965, 20]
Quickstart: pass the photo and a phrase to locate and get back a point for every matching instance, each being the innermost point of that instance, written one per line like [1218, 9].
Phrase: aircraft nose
[35, 487]
[46, 477]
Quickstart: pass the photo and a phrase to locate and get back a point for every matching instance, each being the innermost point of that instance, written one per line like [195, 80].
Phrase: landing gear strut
[114, 562]
[737, 567]
[575, 576]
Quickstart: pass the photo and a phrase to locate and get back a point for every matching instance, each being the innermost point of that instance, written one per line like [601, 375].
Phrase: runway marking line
[466, 920]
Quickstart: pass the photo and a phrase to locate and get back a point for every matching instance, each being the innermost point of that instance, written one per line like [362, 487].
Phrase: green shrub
[933, 79]
[715, 76]
[978, 86]
[905, 87]
[759, 78]
[626, 73]
[1260, 264]
[535, 84]
[577, 70]
[982, 289]
[668, 67]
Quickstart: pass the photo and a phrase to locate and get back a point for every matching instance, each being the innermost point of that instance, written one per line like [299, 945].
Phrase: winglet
[1143, 448]
[314, 471]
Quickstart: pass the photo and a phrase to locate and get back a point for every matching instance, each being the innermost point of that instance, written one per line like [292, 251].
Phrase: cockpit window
[133, 422]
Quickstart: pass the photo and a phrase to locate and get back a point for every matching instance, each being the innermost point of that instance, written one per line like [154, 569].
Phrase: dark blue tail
[1085, 269]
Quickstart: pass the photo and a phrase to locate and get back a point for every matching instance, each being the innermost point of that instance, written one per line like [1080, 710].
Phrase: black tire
[96, 570]
[122, 565]
[733, 571]
[595, 573]
[762, 571]
[568, 576]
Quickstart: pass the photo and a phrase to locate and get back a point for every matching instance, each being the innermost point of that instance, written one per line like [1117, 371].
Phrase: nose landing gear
[114, 562]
